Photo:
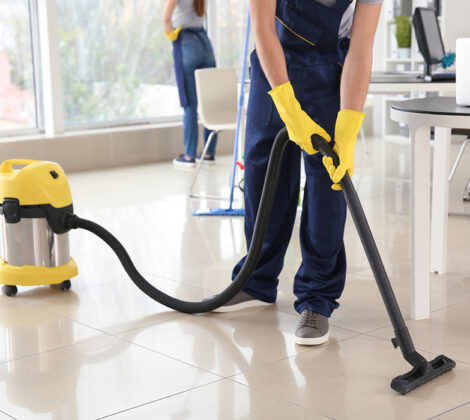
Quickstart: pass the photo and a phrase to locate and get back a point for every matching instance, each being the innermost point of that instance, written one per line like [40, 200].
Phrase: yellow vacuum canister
[34, 199]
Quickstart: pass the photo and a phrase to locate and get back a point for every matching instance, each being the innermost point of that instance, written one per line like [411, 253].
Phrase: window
[17, 90]
[230, 32]
[116, 64]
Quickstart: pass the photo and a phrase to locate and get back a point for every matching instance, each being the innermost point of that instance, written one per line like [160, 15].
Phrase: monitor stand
[427, 72]
[427, 75]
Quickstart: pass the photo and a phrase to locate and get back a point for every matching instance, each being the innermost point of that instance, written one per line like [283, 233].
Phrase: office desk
[429, 243]
[404, 83]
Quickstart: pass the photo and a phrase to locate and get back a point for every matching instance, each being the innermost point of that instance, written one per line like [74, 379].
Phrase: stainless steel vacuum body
[32, 242]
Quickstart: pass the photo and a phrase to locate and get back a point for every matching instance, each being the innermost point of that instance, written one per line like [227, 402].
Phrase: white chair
[217, 98]
[466, 194]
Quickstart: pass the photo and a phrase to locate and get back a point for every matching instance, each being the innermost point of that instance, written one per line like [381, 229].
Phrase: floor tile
[227, 343]
[350, 379]
[80, 372]
[91, 380]
[456, 281]
[150, 249]
[214, 275]
[460, 413]
[146, 183]
[461, 250]
[361, 307]
[446, 332]
[5, 300]
[115, 307]
[174, 215]
[95, 271]
[221, 400]
[458, 231]
[5, 416]
[29, 330]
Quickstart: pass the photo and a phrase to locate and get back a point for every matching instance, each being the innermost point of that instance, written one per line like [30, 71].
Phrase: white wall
[457, 22]
[107, 148]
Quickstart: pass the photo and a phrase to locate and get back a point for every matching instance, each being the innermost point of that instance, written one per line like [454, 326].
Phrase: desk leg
[420, 222]
[440, 200]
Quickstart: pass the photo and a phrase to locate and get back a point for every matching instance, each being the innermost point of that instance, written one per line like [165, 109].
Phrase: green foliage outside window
[112, 53]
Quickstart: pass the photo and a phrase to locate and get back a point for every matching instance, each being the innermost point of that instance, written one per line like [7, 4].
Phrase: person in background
[183, 23]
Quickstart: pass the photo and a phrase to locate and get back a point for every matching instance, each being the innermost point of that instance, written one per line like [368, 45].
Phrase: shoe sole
[184, 164]
[315, 341]
[240, 306]
[206, 162]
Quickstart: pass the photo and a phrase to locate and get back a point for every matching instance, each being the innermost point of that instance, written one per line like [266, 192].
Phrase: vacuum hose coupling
[69, 221]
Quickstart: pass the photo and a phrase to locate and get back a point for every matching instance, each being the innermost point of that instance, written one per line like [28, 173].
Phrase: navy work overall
[308, 32]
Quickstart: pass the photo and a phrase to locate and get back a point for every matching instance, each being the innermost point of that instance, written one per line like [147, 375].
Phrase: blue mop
[231, 211]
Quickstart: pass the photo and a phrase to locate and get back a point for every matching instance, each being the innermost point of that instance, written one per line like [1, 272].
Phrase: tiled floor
[104, 349]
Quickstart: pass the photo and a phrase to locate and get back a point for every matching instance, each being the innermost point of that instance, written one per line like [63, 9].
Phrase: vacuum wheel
[9, 290]
[65, 285]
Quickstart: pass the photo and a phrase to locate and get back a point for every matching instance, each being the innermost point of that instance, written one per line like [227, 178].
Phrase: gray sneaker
[312, 329]
[240, 301]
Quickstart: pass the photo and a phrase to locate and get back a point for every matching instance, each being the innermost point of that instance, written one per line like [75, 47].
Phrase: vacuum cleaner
[34, 241]
[36, 213]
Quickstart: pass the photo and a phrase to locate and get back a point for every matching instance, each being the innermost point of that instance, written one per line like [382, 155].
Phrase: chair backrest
[217, 95]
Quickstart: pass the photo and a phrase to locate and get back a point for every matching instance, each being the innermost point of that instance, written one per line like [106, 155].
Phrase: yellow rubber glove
[173, 35]
[299, 125]
[348, 124]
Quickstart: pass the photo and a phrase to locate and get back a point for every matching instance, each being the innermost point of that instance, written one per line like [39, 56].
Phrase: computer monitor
[428, 35]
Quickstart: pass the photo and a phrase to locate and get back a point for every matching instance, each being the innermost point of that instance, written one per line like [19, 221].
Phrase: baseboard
[108, 148]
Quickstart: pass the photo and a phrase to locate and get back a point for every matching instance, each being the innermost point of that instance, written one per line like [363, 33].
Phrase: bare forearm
[166, 17]
[358, 65]
[355, 81]
[268, 46]
[167, 26]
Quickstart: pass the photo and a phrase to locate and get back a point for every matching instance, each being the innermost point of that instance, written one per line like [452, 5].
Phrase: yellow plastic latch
[35, 183]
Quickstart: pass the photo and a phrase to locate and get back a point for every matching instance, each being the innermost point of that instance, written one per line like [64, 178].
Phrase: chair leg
[206, 147]
[459, 156]
[466, 193]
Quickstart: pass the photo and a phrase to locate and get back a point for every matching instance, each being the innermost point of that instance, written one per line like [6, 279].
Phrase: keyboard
[440, 77]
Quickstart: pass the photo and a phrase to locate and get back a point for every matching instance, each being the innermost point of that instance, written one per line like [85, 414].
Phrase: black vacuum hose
[422, 372]
[72, 221]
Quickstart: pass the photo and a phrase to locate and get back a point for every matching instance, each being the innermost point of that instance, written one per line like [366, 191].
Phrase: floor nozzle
[422, 374]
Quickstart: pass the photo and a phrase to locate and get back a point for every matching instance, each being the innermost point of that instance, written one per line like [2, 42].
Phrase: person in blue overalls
[322, 51]
[183, 24]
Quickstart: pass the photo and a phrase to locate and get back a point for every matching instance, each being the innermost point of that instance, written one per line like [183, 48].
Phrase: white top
[185, 16]
[346, 22]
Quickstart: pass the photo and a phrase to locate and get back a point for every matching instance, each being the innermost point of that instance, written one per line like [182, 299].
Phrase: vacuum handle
[7, 165]
[370, 248]
[320, 144]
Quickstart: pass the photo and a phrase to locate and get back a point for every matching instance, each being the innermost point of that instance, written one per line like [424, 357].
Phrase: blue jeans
[197, 54]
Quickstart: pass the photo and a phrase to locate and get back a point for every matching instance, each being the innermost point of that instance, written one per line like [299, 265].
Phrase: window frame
[36, 52]
[28, 131]
[48, 88]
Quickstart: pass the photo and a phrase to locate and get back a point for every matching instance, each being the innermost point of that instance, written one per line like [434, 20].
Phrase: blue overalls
[308, 32]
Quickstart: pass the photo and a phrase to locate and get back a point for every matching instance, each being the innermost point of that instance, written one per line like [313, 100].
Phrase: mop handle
[240, 108]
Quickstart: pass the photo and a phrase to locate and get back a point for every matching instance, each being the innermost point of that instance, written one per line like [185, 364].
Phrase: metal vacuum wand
[423, 371]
